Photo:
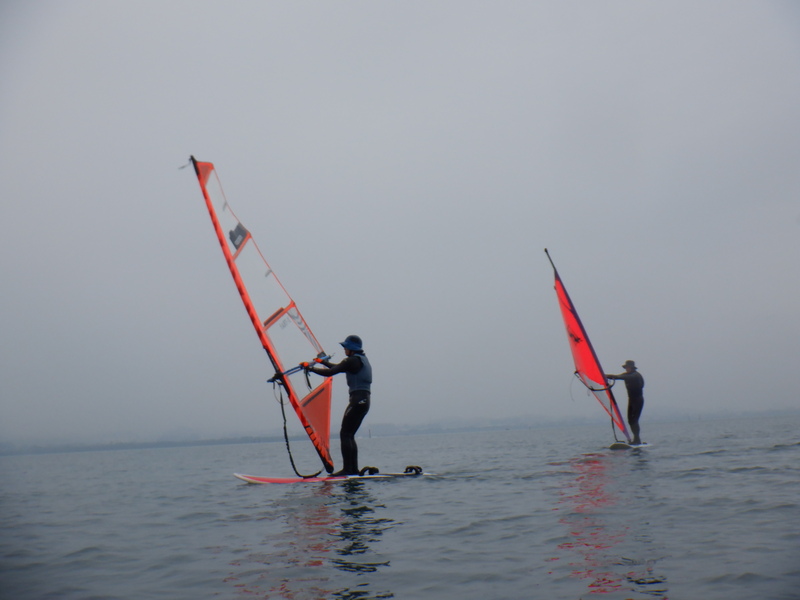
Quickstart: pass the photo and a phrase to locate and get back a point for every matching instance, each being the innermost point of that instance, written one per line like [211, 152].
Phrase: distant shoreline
[380, 430]
[18, 449]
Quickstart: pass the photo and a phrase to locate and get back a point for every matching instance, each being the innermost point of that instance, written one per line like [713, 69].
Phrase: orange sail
[280, 327]
[587, 365]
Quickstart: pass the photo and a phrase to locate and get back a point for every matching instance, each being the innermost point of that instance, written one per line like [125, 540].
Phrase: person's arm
[622, 376]
[330, 369]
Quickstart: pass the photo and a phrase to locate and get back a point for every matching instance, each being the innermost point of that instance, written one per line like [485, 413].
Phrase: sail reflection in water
[603, 549]
[326, 540]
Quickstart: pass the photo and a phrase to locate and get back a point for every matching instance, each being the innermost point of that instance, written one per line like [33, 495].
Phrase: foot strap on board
[412, 469]
[369, 471]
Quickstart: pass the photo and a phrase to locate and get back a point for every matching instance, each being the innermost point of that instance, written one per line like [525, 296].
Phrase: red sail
[587, 365]
[280, 327]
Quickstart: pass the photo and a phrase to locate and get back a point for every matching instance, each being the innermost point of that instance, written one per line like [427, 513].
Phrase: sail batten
[281, 329]
[587, 366]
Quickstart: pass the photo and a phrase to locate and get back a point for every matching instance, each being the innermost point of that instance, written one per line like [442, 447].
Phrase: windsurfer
[634, 384]
[359, 378]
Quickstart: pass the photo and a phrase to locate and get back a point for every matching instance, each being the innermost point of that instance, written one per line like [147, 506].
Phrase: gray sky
[402, 165]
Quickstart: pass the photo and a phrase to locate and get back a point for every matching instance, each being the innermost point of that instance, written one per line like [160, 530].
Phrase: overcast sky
[402, 165]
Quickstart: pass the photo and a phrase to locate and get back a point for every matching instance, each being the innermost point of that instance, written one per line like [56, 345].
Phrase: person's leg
[353, 416]
[635, 406]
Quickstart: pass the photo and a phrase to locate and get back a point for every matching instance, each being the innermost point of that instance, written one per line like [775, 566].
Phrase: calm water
[710, 510]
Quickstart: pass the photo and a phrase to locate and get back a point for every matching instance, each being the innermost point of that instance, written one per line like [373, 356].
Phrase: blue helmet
[352, 342]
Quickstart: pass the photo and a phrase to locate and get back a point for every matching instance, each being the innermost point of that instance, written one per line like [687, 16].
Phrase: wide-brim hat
[352, 342]
[629, 363]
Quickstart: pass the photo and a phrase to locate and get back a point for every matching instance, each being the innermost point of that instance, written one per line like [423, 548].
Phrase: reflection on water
[594, 513]
[585, 498]
[311, 534]
[359, 528]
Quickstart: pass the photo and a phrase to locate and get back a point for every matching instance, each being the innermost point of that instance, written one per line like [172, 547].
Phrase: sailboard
[409, 472]
[283, 333]
[281, 329]
[587, 366]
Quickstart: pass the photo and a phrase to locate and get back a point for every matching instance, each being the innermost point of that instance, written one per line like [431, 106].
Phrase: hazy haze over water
[402, 166]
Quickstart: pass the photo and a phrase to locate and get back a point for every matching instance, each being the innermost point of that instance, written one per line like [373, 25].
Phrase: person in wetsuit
[634, 383]
[359, 379]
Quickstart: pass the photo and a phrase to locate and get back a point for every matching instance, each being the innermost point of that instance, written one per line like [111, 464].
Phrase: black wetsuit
[359, 379]
[634, 384]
